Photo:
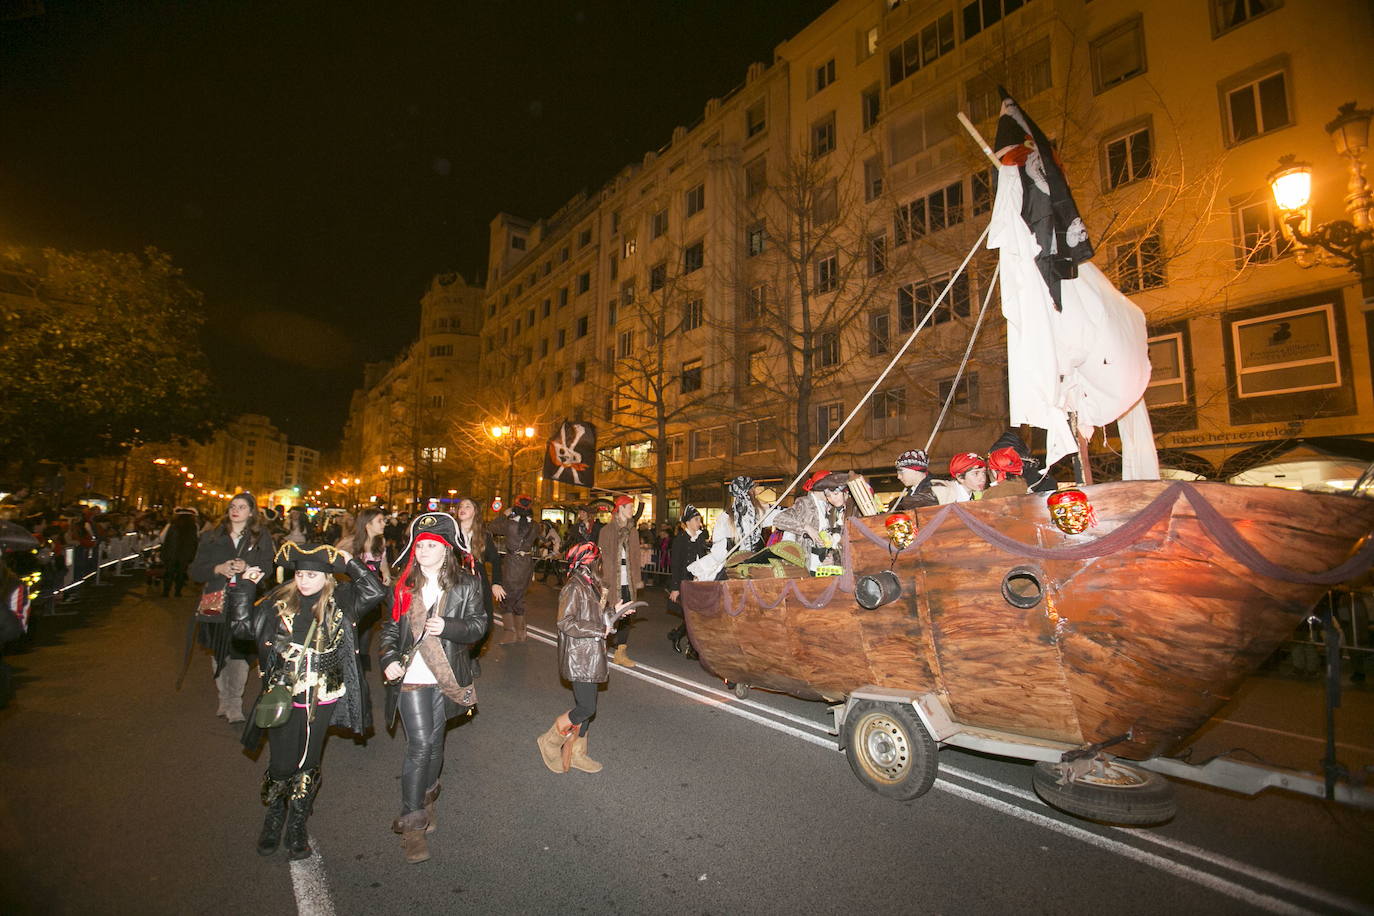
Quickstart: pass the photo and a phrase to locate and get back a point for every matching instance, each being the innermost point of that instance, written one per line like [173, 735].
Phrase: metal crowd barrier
[130, 550]
[1352, 613]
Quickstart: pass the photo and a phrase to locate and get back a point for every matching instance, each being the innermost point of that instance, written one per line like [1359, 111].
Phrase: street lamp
[514, 439]
[390, 472]
[1339, 243]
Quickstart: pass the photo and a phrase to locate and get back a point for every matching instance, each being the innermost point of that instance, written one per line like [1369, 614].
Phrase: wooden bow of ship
[1143, 627]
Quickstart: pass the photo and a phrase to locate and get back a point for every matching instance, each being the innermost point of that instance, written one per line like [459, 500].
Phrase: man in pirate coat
[517, 564]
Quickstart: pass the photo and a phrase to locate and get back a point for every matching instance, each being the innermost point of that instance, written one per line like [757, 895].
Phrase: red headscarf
[400, 602]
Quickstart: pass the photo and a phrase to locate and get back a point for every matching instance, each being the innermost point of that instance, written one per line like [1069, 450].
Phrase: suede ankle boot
[579, 760]
[411, 827]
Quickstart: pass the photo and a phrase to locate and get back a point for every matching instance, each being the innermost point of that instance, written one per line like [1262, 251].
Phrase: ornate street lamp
[514, 439]
[1339, 243]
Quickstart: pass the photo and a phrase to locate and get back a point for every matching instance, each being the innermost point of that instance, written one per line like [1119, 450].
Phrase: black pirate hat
[439, 524]
[323, 558]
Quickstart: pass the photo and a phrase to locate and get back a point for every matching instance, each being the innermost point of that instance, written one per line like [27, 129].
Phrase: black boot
[304, 785]
[274, 792]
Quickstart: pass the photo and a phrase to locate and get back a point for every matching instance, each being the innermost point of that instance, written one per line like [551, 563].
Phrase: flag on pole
[570, 454]
[1075, 344]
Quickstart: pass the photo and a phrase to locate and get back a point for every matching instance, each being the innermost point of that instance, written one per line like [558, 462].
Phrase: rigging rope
[954, 388]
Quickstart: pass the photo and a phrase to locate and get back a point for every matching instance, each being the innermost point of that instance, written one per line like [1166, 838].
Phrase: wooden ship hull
[1136, 647]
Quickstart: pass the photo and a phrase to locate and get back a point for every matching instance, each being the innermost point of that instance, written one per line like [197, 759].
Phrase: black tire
[890, 750]
[1131, 796]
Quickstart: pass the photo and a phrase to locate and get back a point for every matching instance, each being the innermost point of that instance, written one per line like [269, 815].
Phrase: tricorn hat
[323, 558]
[438, 524]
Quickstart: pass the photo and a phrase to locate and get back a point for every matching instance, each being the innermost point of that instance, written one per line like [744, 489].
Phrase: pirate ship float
[1008, 626]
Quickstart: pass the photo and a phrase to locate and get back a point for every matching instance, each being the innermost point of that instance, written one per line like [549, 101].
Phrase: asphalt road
[122, 795]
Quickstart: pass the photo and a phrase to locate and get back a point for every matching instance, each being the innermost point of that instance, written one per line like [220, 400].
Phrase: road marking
[309, 884]
[709, 695]
[1279, 731]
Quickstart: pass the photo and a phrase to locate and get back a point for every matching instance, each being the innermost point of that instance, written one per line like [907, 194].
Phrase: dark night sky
[312, 164]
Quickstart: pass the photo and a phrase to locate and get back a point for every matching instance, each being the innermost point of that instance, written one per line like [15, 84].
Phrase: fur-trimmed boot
[579, 759]
[622, 657]
[274, 793]
[552, 744]
[304, 785]
[411, 827]
[431, 796]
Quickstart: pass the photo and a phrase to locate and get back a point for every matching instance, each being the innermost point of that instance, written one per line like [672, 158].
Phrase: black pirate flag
[571, 453]
[1047, 204]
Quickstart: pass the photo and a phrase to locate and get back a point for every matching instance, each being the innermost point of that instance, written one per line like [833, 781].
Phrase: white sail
[1091, 358]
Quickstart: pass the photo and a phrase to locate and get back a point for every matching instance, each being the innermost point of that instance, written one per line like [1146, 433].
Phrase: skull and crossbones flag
[570, 453]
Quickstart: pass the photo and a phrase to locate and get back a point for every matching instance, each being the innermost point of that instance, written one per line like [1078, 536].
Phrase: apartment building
[721, 306]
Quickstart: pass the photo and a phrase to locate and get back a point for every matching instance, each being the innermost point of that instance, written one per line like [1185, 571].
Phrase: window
[877, 255]
[641, 454]
[562, 337]
[825, 204]
[824, 75]
[558, 380]
[755, 177]
[441, 350]
[563, 255]
[1140, 264]
[548, 268]
[921, 49]
[823, 136]
[937, 210]
[756, 239]
[658, 224]
[1228, 14]
[828, 350]
[915, 299]
[879, 333]
[828, 419]
[610, 359]
[755, 302]
[1259, 235]
[754, 436]
[887, 413]
[548, 306]
[579, 371]
[543, 392]
[755, 119]
[693, 258]
[562, 297]
[982, 187]
[756, 370]
[627, 292]
[1127, 158]
[517, 242]
[871, 105]
[584, 282]
[674, 448]
[615, 222]
[613, 263]
[692, 315]
[611, 308]
[658, 277]
[630, 248]
[584, 238]
[710, 443]
[964, 407]
[583, 326]
[543, 347]
[529, 318]
[1118, 54]
[627, 343]
[1285, 353]
[608, 459]
[691, 375]
[979, 14]
[437, 400]
[1257, 106]
[1168, 383]
[868, 43]
[827, 274]
[695, 200]
[873, 178]
[517, 326]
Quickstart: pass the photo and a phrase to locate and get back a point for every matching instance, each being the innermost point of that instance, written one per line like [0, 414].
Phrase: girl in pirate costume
[437, 613]
[304, 633]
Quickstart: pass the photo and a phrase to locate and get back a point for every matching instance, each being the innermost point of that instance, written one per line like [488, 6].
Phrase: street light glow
[1291, 183]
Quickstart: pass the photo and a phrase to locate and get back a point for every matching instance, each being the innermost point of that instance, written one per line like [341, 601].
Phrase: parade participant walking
[367, 544]
[622, 568]
[689, 545]
[816, 518]
[304, 634]
[437, 614]
[517, 565]
[913, 470]
[585, 530]
[179, 542]
[585, 619]
[235, 554]
[473, 539]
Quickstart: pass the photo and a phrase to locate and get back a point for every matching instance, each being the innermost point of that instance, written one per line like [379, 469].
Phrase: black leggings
[584, 700]
[291, 737]
[422, 714]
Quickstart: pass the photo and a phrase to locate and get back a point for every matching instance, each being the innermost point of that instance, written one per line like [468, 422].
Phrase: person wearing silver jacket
[585, 618]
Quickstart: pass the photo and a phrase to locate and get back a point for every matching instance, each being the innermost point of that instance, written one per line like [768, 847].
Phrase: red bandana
[400, 602]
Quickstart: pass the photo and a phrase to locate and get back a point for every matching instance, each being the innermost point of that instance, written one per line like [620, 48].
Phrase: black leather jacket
[464, 624]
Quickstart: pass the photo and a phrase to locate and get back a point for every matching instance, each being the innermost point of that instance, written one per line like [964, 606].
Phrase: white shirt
[419, 672]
